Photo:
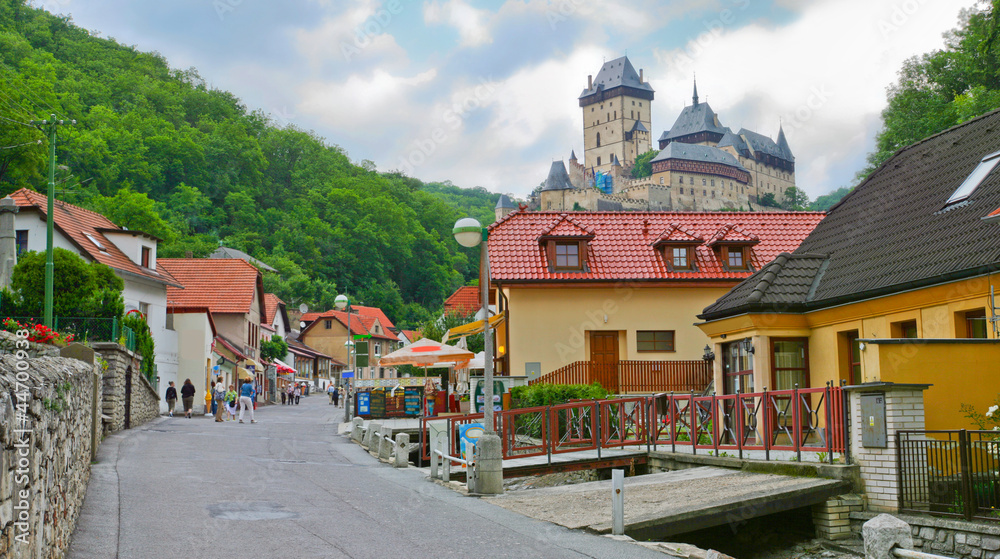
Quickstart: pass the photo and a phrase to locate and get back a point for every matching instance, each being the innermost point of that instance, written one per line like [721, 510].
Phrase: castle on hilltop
[701, 166]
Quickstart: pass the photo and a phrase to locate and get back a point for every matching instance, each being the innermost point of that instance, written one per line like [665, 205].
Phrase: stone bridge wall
[144, 402]
[44, 468]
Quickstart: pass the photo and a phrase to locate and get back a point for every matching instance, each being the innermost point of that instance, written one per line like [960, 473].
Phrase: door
[604, 359]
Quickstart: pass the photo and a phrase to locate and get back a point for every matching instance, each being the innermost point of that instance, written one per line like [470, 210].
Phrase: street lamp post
[469, 233]
[342, 302]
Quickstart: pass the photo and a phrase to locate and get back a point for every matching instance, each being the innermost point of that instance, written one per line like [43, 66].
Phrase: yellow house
[896, 284]
[327, 332]
[622, 287]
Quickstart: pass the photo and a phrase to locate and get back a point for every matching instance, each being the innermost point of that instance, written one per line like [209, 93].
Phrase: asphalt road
[290, 486]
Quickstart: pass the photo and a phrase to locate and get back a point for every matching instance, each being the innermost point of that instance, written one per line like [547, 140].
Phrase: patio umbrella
[425, 353]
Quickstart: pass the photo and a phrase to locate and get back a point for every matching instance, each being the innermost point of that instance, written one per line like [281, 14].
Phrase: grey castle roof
[616, 163]
[692, 120]
[504, 203]
[783, 144]
[616, 73]
[638, 127]
[695, 152]
[572, 155]
[558, 178]
[764, 144]
[894, 232]
[229, 252]
[735, 141]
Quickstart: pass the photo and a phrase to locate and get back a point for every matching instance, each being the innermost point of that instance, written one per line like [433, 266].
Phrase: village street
[289, 486]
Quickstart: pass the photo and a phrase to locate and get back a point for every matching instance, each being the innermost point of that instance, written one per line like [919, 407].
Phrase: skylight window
[977, 176]
[96, 242]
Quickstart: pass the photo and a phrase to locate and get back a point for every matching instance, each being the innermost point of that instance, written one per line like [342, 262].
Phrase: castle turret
[612, 104]
[504, 207]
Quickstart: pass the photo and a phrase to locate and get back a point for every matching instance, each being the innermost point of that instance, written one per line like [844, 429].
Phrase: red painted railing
[623, 377]
[798, 420]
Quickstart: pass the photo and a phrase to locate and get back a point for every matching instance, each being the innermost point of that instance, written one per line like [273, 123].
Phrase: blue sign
[347, 374]
[364, 403]
[468, 435]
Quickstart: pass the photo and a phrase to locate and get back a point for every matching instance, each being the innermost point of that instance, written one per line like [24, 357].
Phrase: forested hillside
[155, 149]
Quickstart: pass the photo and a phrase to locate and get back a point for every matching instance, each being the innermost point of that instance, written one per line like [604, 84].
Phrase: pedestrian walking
[219, 400]
[297, 394]
[331, 390]
[291, 393]
[336, 397]
[171, 398]
[210, 400]
[247, 395]
[231, 403]
[283, 397]
[187, 396]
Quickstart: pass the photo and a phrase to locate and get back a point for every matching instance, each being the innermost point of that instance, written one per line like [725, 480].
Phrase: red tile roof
[412, 335]
[622, 247]
[465, 300]
[223, 285]
[360, 324]
[374, 312]
[85, 229]
[677, 234]
[566, 227]
[271, 302]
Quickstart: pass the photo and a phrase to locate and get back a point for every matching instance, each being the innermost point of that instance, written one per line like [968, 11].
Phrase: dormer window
[146, 258]
[974, 179]
[736, 258]
[568, 255]
[677, 246]
[732, 248]
[681, 258]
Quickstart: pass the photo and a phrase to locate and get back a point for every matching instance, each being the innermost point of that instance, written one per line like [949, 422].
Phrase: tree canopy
[157, 149]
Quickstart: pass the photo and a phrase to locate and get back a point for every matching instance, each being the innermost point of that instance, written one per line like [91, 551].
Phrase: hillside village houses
[702, 165]
[897, 284]
[327, 332]
[614, 287]
[131, 254]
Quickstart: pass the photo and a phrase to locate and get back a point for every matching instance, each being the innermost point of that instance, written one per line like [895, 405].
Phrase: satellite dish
[303, 308]
[302, 324]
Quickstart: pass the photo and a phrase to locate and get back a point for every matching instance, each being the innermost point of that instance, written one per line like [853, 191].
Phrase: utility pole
[49, 127]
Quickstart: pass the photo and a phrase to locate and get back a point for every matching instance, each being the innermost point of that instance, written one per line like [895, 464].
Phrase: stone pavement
[291, 486]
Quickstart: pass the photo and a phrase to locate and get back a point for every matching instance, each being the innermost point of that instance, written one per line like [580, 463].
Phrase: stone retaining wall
[953, 538]
[144, 403]
[44, 469]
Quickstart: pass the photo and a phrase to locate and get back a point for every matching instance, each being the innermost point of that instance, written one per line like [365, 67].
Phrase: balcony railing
[635, 377]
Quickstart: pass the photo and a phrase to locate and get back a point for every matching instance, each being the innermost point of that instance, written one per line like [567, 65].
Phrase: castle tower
[504, 207]
[616, 116]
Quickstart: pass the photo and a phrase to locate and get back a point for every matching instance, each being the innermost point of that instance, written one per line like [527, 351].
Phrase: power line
[36, 142]
[17, 122]
[15, 105]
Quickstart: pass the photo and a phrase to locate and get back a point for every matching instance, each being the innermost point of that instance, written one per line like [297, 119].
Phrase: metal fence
[950, 473]
[86, 329]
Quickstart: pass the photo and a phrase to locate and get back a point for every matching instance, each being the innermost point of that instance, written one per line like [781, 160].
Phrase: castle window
[690, 180]
[598, 145]
[682, 190]
[640, 103]
[680, 179]
[609, 116]
[633, 102]
[704, 193]
[631, 114]
[616, 115]
[598, 159]
[704, 182]
[713, 182]
[713, 194]
[661, 180]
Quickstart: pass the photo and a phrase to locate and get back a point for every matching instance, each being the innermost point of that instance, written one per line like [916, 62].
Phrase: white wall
[36, 233]
[154, 294]
[194, 342]
[132, 245]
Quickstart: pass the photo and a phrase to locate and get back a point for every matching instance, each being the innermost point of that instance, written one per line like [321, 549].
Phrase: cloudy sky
[484, 93]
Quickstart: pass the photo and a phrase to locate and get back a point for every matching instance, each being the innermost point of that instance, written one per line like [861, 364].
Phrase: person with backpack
[247, 395]
[171, 398]
[332, 391]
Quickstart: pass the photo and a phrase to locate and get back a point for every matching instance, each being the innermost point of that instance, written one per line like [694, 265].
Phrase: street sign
[364, 403]
[347, 374]
[362, 336]
[361, 354]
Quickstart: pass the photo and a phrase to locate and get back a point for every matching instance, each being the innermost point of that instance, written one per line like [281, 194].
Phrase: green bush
[554, 394]
[144, 345]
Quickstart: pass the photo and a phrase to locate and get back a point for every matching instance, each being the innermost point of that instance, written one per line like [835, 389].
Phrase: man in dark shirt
[171, 398]
[187, 396]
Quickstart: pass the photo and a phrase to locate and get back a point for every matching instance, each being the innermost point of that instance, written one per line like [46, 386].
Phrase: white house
[131, 254]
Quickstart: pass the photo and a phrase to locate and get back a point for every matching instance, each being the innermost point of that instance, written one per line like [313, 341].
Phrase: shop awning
[283, 368]
[472, 328]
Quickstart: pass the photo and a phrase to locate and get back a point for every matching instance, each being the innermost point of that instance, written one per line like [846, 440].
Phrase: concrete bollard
[883, 533]
[489, 465]
[402, 451]
[385, 444]
[618, 502]
[371, 434]
[357, 432]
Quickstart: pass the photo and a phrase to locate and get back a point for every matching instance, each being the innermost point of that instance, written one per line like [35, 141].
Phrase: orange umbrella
[424, 353]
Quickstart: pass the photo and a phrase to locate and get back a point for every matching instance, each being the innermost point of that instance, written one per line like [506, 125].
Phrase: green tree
[795, 199]
[79, 288]
[272, 349]
[144, 344]
[768, 200]
[643, 166]
[827, 201]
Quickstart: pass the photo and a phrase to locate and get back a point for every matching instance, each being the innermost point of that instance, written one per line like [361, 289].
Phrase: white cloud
[824, 75]
[471, 23]
[361, 32]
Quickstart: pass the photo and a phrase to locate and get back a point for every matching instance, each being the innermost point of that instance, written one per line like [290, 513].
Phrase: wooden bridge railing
[623, 377]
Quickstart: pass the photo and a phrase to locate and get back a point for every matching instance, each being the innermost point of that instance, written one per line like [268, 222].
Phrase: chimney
[188, 254]
[590, 82]
[640, 75]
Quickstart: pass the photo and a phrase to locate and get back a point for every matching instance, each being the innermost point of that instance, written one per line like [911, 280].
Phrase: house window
[654, 340]
[737, 368]
[973, 324]
[904, 329]
[22, 241]
[680, 258]
[735, 258]
[975, 178]
[328, 324]
[790, 363]
[144, 309]
[568, 255]
[169, 322]
[146, 254]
